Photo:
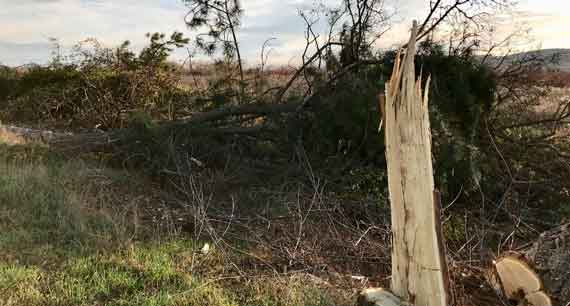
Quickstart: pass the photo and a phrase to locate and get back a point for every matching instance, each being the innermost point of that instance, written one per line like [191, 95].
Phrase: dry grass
[203, 77]
[10, 138]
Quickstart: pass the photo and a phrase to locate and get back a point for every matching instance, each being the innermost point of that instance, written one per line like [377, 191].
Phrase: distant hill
[564, 59]
[561, 55]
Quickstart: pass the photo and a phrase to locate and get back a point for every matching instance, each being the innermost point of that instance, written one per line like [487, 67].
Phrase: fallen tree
[205, 123]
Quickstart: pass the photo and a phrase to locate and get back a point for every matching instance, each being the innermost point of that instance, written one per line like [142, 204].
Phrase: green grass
[142, 278]
[70, 236]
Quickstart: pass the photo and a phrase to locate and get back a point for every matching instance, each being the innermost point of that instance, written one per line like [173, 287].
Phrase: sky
[27, 25]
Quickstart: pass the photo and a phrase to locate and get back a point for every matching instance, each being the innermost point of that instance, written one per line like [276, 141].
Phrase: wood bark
[419, 271]
[550, 257]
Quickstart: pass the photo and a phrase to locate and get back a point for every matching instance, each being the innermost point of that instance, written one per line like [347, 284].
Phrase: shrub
[344, 120]
[8, 81]
[96, 86]
[343, 125]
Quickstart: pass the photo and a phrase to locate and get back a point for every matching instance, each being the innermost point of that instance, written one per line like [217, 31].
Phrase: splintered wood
[419, 271]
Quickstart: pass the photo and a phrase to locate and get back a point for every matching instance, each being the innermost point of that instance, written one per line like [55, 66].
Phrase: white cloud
[553, 31]
[111, 22]
[535, 30]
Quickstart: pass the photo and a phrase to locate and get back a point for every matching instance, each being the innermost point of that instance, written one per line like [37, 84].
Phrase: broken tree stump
[419, 270]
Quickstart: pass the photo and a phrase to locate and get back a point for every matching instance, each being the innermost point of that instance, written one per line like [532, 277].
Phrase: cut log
[419, 270]
[97, 140]
[538, 298]
[13, 135]
[537, 273]
[517, 278]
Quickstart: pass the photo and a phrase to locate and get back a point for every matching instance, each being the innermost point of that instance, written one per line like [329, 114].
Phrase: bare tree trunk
[419, 271]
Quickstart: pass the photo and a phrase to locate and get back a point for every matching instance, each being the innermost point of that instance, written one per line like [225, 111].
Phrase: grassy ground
[72, 233]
